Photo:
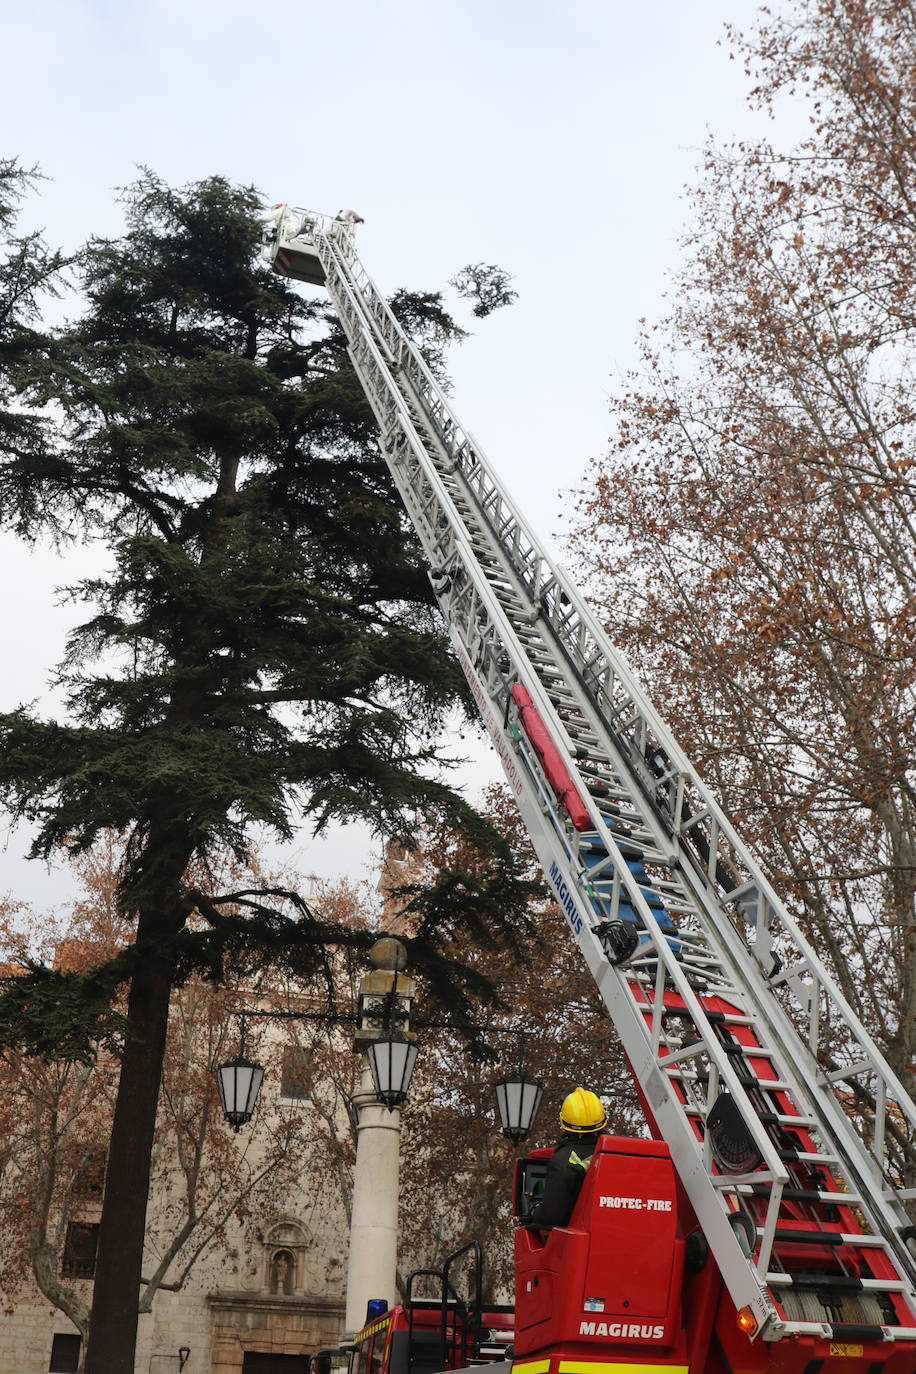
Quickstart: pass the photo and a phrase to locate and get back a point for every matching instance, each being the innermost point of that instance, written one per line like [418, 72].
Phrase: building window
[78, 1260]
[91, 1177]
[65, 1354]
[296, 1075]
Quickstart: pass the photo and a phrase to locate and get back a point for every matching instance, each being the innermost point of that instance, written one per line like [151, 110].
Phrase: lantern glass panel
[239, 1083]
[518, 1098]
[391, 1062]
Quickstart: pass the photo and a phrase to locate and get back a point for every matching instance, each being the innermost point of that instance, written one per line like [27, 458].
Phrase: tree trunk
[113, 1326]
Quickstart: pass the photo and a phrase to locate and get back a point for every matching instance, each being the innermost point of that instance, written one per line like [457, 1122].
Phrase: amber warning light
[747, 1322]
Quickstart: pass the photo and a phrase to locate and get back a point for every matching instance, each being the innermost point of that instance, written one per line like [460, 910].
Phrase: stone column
[372, 1262]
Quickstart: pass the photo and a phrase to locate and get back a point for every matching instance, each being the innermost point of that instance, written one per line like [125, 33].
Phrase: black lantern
[391, 1061]
[518, 1098]
[239, 1082]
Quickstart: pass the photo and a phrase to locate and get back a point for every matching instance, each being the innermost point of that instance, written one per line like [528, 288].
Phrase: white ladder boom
[716, 995]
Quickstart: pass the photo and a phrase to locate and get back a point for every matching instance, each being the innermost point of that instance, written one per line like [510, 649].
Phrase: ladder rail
[515, 616]
[584, 638]
[464, 610]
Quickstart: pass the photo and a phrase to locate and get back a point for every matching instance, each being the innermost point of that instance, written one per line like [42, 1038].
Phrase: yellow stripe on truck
[368, 1331]
[532, 1367]
[599, 1367]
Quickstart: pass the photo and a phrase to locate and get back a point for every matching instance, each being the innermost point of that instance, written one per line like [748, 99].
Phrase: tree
[486, 285]
[751, 537]
[265, 643]
[30, 273]
[456, 1169]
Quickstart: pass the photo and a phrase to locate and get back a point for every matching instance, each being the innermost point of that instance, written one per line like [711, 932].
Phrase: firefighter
[582, 1119]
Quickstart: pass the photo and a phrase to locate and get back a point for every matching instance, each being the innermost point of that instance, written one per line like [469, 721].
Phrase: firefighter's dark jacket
[562, 1181]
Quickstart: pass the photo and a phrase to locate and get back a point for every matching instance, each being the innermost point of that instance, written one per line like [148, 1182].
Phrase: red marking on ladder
[555, 770]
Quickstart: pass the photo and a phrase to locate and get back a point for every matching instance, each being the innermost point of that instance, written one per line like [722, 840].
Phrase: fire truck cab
[609, 1284]
[630, 1284]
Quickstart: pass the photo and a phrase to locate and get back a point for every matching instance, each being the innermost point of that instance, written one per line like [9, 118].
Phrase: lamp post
[382, 1033]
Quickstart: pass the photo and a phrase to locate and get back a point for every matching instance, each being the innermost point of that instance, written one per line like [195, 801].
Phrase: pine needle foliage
[265, 645]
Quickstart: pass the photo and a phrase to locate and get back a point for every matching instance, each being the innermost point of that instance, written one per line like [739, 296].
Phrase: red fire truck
[451, 1327]
[629, 1287]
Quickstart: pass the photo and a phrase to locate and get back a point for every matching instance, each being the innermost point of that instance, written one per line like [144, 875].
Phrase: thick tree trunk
[113, 1326]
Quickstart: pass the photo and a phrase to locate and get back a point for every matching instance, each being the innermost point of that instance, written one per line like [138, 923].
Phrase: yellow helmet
[582, 1113]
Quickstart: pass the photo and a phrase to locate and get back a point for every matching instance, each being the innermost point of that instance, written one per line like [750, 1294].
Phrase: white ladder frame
[437, 466]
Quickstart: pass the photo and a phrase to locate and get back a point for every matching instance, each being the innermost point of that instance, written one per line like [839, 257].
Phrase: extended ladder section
[747, 1056]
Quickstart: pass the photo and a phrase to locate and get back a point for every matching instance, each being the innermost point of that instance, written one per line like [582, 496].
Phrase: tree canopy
[263, 647]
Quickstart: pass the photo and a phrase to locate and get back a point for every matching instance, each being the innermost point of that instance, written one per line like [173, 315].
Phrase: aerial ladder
[744, 1050]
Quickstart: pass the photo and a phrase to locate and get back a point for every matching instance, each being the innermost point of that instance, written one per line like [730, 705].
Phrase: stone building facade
[261, 1299]
[269, 1292]
[262, 1313]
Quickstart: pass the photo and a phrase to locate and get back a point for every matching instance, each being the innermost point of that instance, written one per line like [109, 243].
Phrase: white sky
[554, 140]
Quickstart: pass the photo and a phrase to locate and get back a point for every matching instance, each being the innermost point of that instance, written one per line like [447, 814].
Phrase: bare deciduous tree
[751, 539]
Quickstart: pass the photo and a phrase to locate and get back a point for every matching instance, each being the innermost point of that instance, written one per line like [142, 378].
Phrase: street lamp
[391, 1062]
[239, 1081]
[518, 1098]
[381, 1018]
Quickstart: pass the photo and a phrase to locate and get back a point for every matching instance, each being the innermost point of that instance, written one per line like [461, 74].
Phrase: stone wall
[218, 1329]
[26, 1335]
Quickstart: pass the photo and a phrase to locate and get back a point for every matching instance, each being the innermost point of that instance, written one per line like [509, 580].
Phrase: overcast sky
[553, 140]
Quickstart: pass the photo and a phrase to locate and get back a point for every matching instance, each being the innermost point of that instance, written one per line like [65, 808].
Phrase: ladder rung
[838, 1283]
[768, 1085]
[807, 1157]
[850, 1071]
[750, 1085]
[801, 1194]
[600, 882]
[736, 1049]
[774, 1118]
[790, 1236]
